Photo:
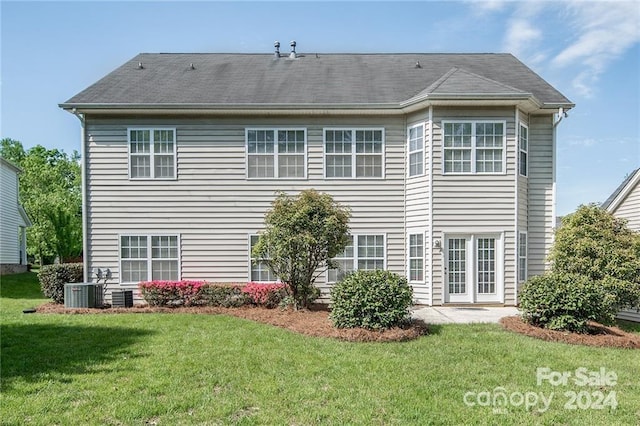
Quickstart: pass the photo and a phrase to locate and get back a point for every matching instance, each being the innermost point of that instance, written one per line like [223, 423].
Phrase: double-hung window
[523, 150]
[416, 257]
[260, 272]
[276, 153]
[152, 153]
[522, 256]
[363, 252]
[149, 257]
[354, 153]
[474, 147]
[416, 150]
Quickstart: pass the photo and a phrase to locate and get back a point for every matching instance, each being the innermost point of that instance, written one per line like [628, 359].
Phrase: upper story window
[152, 153]
[276, 153]
[474, 146]
[416, 150]
[354, 153]
[523, 150]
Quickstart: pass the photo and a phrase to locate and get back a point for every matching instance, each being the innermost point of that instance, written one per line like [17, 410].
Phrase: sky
[588, 50]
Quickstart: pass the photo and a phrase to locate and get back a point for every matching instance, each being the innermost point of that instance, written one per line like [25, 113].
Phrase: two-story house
[446, 161]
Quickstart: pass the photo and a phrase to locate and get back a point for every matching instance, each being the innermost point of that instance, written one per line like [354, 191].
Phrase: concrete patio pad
[462, 314]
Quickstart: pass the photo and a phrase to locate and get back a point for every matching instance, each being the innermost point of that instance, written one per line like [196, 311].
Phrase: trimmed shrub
[371, 299]
[566, 302]
[267, 295]
[224, 295]
[54, 277]
[170, 293]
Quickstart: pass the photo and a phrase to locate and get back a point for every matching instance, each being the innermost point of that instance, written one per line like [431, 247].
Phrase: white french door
[472, 268]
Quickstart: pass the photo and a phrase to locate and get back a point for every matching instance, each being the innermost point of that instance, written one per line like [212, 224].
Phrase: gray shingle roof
[323, 79]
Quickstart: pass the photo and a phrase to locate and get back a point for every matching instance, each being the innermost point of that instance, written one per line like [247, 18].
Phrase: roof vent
[418, 64]
[191, 67]
[277, 46]
[293, 55]
[140, 66]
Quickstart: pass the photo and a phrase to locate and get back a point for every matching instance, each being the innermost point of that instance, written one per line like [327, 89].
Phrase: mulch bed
[313, 322]
[599, 335]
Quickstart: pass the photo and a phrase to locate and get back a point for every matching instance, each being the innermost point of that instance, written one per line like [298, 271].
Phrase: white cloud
[603, 32]
[484, 6]
[520, 35]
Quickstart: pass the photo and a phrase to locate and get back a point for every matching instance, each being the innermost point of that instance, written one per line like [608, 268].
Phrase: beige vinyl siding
[212, 206]
[629, 207]
[474, 203]
[540, 197]
[418, 208]
[10, 219]
[523, 190]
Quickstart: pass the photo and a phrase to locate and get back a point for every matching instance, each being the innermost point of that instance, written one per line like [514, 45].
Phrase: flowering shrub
[171, 293]
[267, 295]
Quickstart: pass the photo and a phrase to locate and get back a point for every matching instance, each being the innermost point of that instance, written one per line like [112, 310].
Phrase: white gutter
[83, 168]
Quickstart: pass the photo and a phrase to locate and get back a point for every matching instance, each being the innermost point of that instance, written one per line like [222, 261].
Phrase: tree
[302, 234]
[50, 191]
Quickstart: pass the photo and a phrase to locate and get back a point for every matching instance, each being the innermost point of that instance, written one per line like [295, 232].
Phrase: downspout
[83, 168]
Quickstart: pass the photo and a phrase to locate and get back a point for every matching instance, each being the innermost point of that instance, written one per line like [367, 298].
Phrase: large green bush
[595, 272]
[54, 277]
[371, 299]
[566, 302]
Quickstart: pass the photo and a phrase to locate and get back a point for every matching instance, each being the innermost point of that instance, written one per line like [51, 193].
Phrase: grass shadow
[35, 352]
[628, 326]
[20, 286]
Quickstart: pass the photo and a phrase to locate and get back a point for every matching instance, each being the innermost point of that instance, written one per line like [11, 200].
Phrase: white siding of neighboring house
[11, 221]
[213, 206]
[474, 203]
[628, 207]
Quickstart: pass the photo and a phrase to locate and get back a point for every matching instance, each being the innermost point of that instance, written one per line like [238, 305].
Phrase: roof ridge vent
[293, 54]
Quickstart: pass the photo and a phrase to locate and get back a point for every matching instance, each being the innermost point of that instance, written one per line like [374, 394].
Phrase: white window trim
[423, 232]
[409, 152]
[522, 256]
[251, 258]
[276, 154]
[525, 151]
[472, 237]
[473, 147]
[355, 251]
[152, 152]
[149, 253]
[353, 151]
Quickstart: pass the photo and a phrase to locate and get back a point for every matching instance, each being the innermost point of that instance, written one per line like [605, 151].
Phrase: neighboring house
[625, 203]
[446, 161]
[13, 222]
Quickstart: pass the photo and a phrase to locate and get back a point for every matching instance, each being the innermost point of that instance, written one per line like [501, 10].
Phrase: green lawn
[172, 369]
